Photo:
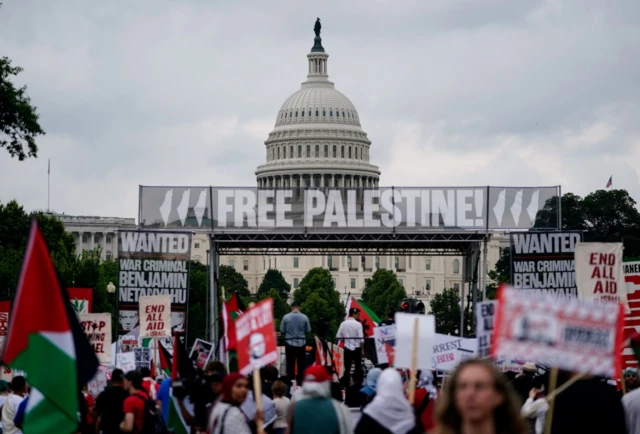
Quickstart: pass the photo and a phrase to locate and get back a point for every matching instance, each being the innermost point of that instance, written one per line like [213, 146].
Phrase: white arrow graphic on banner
[201, 206]
[165, 208]
[498, 209]
[532, 209]
[516, 208]
[183, 208]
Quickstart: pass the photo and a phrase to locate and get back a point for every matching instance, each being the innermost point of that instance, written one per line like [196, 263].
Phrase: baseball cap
[354, 310]
[316, 374]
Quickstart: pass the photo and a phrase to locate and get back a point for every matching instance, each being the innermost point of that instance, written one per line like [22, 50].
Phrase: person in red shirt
[425, 390]
[149, 384]
[133, 407]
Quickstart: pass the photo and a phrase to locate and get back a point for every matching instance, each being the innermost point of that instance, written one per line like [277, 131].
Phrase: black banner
[151, 263]
[544, 262]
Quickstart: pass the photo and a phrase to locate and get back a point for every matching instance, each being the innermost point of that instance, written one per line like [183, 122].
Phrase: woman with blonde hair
[477, 399]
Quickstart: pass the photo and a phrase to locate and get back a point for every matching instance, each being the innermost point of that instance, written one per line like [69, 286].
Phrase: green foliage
[18, 118]
[273, 279]
[280, 306]
[232, 281]
[319, 300]
[502, 272]
[445, 306]
[383, 292]
[198, 309]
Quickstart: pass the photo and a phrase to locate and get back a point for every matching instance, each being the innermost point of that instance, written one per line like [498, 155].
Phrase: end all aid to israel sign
[544, 262]
[382, 207]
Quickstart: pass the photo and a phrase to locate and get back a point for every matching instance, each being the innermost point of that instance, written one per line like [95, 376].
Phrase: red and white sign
[256, 334]
[81, 299]
[155, 316]
[97, 329]
[599, 274]
[574, 335]
[5, 309]
[631, 270]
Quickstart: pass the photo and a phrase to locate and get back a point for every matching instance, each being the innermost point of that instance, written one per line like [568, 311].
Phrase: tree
[445, 306]
[319, 300]
[198, 309]
[383, 292]
[280, 306]
[273, 279]
[18, 118]
[232, 281]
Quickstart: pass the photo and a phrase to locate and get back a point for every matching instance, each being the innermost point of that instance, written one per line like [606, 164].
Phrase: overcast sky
[450, 92]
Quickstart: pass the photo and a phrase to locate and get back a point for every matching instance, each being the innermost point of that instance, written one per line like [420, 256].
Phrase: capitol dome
[317, 140]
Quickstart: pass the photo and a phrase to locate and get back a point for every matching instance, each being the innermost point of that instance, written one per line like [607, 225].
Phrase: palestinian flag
[231, 310]
[165, 360]
[368, 318]
[46, 342]
[181, 367]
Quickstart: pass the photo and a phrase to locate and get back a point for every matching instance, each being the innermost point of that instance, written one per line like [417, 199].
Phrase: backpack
[153, 422]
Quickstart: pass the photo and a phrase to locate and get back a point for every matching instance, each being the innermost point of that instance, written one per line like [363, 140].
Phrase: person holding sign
[478, 399]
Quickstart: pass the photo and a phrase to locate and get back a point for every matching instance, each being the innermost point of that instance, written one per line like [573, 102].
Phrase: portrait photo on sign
[200, 353]
[129, 322]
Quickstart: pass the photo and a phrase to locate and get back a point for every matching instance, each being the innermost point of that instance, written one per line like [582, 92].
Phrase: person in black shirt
[391, 318]
[109, 405]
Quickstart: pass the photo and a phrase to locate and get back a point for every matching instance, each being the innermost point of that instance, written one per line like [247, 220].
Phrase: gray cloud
[467, 92]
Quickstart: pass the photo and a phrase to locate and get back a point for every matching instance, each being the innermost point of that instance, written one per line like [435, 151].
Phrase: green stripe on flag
[63, 412]
[176, 422]
[369, 312]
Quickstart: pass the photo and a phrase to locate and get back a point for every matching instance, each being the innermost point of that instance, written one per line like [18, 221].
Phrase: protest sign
[155, 316]
[81, 299]
[449, 351]
[631, 268]
[385, 338]
[544, 262]
[97, 329]
[575, 335]
[200, 353]
[5, 308]
[99, 382]
[256, 336]
[485, 316]
[151, 264]
[405, 339]
[142, 357]
[126, 361]
[599, 272]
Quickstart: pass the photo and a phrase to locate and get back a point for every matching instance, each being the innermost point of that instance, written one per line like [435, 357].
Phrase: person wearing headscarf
[368, 392]
[226, 416]
[390, 411]
[424, 401]
[314, 411]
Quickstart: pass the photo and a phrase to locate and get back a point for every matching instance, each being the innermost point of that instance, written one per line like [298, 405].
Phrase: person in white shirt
[282, 404]
[631, 403]
[534, 411]
[11, 404]
[352, 334]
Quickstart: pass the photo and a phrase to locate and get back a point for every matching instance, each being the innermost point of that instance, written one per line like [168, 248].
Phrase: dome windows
[349, 151]
[308, 151]
[342, 151]
[302, 113]
[309, 112]
[317, 151]
[299, 151]
[291, 152]
[326, 151]
[317, 113]
[324, 113]
[296, 113]
[334, 151]
[331, 113]
[337, 113]
[343, 114]
[356, 153]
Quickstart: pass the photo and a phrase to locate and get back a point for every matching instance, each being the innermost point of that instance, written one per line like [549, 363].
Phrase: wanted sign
[599, 272]
[575, 335]
[97, 329]
[485, 315]
[544, 262]
[151, 264]
[155, 316]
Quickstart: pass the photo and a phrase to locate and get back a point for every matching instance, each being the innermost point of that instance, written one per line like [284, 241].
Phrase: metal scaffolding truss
[426, 243]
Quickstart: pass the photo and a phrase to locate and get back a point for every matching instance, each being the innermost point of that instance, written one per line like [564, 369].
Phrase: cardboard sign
[142, 358]
[155, 316]
[385, 339]
[256, 336]
[485, 316]
[200, 353]
[574, 335]
[404, 340]
[599, 272]
[97, 329]
[126, 361]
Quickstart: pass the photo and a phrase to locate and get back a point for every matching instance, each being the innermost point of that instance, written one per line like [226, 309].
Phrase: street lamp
[111, 288]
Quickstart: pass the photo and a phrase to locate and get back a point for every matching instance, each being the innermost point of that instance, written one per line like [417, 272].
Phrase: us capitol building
[318, 141]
